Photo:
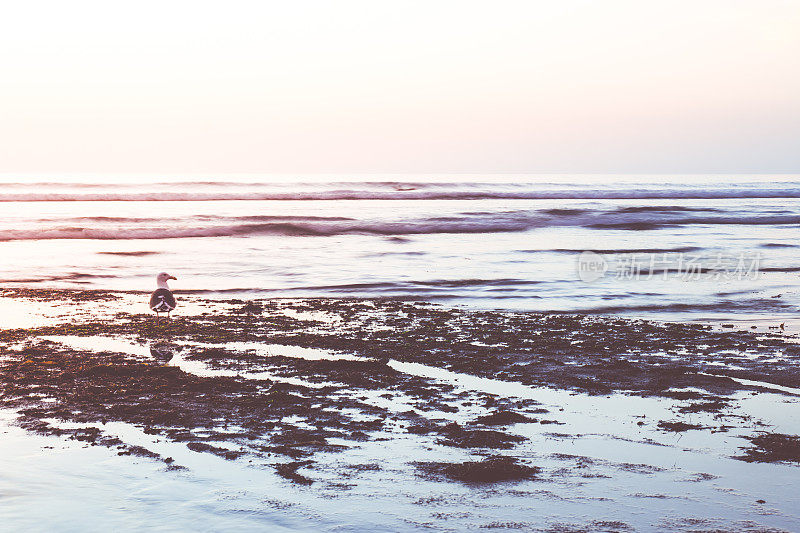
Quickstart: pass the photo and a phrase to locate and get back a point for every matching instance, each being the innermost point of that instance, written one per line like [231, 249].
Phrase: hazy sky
[400, 86]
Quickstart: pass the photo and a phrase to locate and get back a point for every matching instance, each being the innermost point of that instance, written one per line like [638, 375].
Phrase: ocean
[670, 247]
[339, 415]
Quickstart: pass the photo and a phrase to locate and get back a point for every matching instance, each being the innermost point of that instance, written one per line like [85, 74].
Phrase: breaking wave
[116, 228]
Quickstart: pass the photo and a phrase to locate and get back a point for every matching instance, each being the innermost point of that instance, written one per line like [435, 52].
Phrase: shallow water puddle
[579, 489]
[626, 417]
[762, 384]
[47, 484]
[389, 498]
[622, 417]
[19, 313]
[199, 368]
[282, 350]
[100, 344]
[598, 464]
[118, 344]
[32, 313]
[664, 466]
[177, 358]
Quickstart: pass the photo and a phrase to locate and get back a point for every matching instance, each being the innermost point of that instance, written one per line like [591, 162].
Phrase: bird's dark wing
[162, 300]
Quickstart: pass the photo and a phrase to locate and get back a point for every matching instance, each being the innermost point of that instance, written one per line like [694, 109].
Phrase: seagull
[162, 300]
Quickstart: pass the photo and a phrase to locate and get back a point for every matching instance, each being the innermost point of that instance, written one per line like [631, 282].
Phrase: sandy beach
[345, 414]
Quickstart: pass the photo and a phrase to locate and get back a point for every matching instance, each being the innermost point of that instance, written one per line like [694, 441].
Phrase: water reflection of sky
[637, 474]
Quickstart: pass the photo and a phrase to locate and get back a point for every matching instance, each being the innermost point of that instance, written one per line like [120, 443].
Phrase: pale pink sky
[400, 86]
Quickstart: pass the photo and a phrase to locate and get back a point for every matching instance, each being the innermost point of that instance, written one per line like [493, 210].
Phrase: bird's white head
[162, 278]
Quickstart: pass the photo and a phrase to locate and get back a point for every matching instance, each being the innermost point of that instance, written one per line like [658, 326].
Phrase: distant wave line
[411, 194]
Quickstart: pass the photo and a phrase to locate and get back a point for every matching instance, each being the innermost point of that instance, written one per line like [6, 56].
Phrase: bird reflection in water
[163, 352]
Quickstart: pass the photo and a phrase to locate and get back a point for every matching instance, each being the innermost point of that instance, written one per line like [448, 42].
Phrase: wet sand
[341, 414]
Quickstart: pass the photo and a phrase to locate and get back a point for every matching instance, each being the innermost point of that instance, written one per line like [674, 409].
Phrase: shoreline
[346, 396]
[240, 296]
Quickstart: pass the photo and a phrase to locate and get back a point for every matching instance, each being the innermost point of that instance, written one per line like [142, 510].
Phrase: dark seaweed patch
[492, 469]
[289, 471]
[503, 418]
[772, 448]
[677, 427]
